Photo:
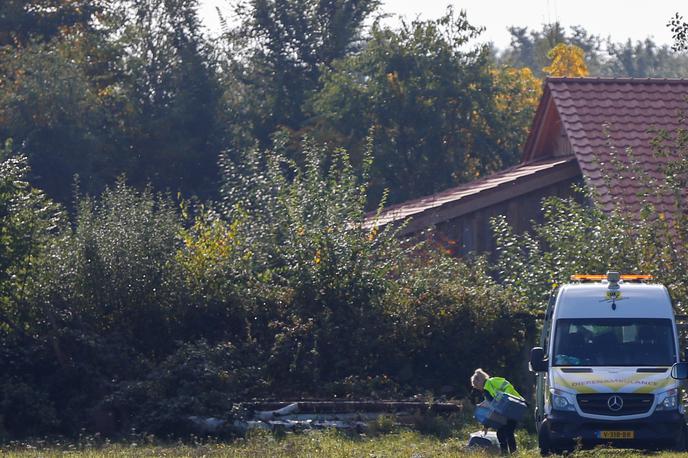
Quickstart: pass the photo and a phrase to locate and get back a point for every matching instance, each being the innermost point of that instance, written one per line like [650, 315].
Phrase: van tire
[543, 440]
[682, 439]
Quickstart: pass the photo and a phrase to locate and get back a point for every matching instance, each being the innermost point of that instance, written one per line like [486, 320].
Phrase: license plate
[616, 434]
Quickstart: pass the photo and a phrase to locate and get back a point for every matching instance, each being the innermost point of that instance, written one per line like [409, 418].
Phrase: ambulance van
[608, 366]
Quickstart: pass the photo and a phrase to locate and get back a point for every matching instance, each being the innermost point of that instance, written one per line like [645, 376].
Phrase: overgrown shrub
[355, 303]
[451, 317]
[196, 380]
[324, 276]
[28, 221]
[145, 312]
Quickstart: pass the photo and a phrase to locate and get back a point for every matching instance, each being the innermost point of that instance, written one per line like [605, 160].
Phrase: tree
[28, 219]
[679, 29]
[566, 60]
[28, 222]
[22, 21]
[278, 52]
[529, 48]
[438, 114]
[644, 59]
[517, 94]
[60, 104]
[140, 95]
[603, 57]
[174, 96]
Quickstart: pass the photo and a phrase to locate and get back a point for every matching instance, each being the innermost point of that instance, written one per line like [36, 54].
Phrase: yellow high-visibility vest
[495, 385]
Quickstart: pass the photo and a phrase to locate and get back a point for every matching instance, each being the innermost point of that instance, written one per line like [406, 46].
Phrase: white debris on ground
[355, 416]
[290, 418]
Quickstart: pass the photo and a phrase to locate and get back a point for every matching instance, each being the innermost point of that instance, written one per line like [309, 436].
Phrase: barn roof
[601, 119]
[582, 125]
[478, 194]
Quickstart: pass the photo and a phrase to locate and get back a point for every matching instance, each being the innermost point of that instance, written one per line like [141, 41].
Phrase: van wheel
[544, 442]
[682, 439]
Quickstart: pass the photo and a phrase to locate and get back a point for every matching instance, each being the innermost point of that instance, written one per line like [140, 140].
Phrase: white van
[608, 365]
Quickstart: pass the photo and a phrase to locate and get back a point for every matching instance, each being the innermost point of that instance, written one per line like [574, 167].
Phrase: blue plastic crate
[488, 416]
[512, 407]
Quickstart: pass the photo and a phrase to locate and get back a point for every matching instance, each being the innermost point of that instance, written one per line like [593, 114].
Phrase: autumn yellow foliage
[518, 89]
[566, 61]
[517, 93]
[207, 245]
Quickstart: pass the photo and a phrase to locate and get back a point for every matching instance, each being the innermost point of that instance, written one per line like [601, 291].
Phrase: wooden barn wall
[472, 232]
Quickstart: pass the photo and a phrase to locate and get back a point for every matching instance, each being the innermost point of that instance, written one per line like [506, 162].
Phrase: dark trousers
[505, 435]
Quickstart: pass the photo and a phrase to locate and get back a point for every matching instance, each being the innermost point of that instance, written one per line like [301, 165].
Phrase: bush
[451, 317]
[196, 380]
[321, 275]
[26, 409]
[145, 313]
[354, 305]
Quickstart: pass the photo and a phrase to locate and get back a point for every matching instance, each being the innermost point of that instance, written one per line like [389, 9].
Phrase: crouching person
[491, 387]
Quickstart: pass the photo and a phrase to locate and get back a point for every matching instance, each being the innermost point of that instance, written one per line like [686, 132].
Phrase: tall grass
[313, 444]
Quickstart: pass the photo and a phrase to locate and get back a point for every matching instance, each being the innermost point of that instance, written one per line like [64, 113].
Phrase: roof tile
[602, 115]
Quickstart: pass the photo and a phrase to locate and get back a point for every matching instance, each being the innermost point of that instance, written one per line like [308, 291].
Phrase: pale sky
[620, 19]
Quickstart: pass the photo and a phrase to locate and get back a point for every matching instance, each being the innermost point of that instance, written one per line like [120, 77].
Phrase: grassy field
[310, 444]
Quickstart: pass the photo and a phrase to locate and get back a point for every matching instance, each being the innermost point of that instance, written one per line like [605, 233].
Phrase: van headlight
[562, 400]
[668, 400]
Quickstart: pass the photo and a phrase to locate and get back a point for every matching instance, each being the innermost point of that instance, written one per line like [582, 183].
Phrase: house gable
[611, 124]
[547, 138]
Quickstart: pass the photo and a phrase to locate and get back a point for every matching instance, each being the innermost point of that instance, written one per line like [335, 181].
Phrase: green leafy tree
[56, 89]
[679, 29]
[644, 59]
[23, 21]
[138, 94]
[28, 222]
[173, 94]
[437, 113]
[278, 52]
[61, 112]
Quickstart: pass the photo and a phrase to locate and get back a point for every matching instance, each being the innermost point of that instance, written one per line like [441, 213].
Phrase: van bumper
[568, 430]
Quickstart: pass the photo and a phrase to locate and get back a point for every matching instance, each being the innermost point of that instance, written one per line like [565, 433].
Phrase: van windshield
[614, 342]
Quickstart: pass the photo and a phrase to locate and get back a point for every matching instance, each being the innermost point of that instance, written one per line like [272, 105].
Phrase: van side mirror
[679, 371]
[538, 363]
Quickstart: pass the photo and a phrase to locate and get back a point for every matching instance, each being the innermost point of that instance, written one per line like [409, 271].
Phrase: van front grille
[615, 404]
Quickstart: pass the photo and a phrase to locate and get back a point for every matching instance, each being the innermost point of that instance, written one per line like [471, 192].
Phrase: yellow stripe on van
[605, 382]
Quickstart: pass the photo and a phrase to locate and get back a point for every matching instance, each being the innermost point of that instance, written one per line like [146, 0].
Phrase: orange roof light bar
[589, 277]
[600, 277]
[637, 277]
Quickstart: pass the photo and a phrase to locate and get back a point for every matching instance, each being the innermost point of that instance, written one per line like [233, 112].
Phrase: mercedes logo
[615, 403]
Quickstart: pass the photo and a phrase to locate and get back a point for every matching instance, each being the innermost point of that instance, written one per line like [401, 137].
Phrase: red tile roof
[498, 181]
[602, 118]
